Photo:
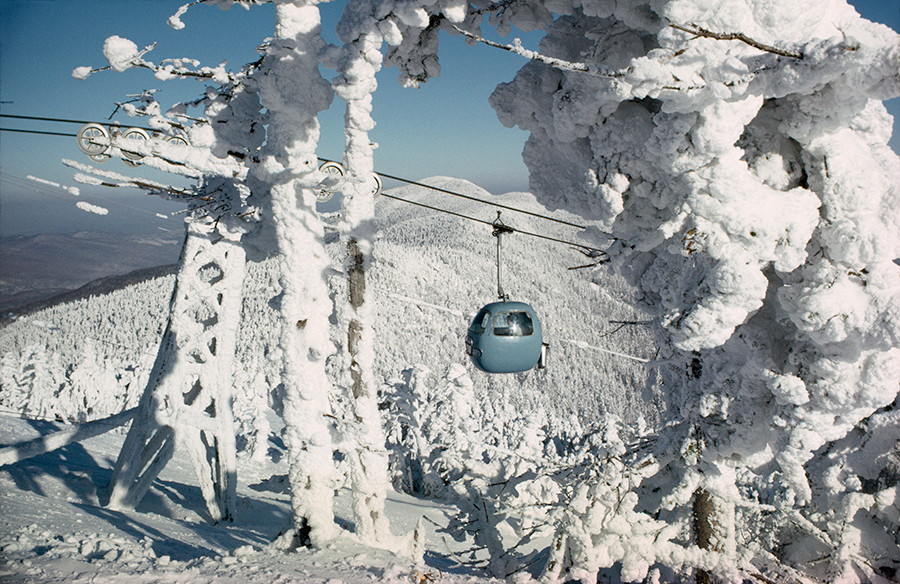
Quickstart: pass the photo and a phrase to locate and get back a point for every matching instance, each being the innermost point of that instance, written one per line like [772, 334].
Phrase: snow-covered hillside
[90, 358]
[53, 529]
[449, 266]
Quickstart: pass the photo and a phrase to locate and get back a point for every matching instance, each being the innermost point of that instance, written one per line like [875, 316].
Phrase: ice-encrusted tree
[252, 149]
[733, 155]
[357, 62]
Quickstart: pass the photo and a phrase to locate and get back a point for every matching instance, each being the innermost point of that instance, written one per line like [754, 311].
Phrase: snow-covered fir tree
[745, 184]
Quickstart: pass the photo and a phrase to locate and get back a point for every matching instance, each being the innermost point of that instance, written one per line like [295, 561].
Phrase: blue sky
[445, 128]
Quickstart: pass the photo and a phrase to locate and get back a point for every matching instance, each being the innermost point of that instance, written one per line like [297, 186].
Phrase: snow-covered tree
[733, 155]
[43, 382]
[357, 63]
[736, 158]
[253, 151]
[93, 386]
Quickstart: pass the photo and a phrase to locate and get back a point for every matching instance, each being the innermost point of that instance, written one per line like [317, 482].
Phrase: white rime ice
[293, 92]
[121, 53]
[359, 62]
[89, 208]
[752, 199]
[187, 401]
[256, 160]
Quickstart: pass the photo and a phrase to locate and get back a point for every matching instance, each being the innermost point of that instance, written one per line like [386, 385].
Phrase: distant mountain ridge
[431, 273]
[104, 285]
[37, 267]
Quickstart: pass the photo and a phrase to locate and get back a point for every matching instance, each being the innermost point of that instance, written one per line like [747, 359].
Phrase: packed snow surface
[53, 529]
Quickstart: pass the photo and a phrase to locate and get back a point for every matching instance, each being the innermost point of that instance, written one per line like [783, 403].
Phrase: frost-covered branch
[213, 198]
[145, 96]
[497, 7]
[123, 54]
[93, 176]
[699, 31]
[518, 49]
[150, 108]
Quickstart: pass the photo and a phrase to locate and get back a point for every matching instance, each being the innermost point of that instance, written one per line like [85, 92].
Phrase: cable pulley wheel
[93, 139]
[131, 158]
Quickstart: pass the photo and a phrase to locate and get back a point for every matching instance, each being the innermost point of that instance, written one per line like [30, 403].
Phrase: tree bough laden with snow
[753, 201]
[259, 132]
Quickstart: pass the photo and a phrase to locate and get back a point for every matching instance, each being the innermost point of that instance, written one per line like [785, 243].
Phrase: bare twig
[735, 36]
[612, 332]
[518, 49]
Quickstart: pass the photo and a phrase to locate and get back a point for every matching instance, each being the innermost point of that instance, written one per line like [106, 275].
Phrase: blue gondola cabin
[505, 337]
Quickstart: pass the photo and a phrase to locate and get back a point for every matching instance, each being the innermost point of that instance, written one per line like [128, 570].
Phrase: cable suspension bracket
[500, 228]
[101, 140]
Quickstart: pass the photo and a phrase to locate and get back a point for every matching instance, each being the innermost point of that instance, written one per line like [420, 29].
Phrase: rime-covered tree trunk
[368, 458]
[293, 91]
[713, 522]
[259, 143]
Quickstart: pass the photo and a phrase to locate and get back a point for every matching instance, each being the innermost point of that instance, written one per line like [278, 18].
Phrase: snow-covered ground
[53, 529]
[90, 358]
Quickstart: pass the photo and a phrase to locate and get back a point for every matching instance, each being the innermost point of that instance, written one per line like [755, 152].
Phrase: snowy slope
[433, 271]
[52, 529]
[90, 358]
[450, 263]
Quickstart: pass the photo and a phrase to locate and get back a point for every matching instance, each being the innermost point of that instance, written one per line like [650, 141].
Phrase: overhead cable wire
[68, 121]
[382, 174]
[45, 119]
[41, 189]
[492, 203]
[477, 220]
[388, 176]
[470, 197]
[39, 132]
